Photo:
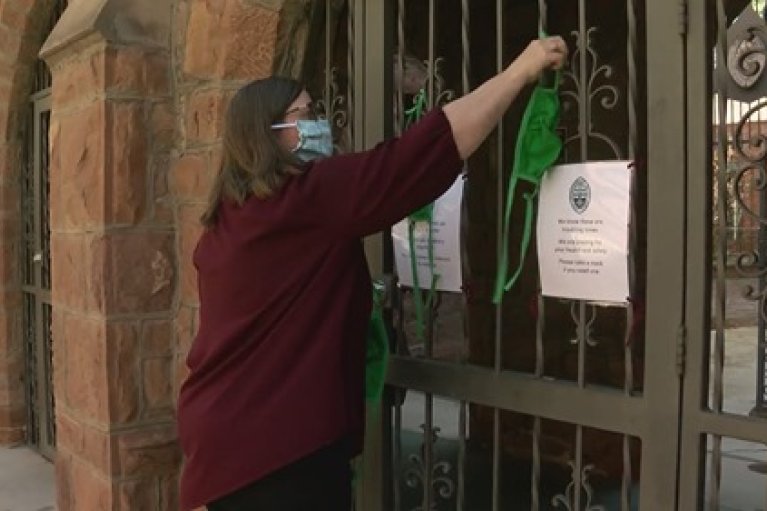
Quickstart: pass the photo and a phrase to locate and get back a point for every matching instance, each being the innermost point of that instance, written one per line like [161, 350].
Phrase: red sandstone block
[163, 126]
[122, 371]
[139, 494]
[12, 379]
[69, 272]
[13, 15]
[250, 41]
[126, 162]
[190, 230]
[59, 357]
[90, 490]
[204, 38]
[191, 178]
[86, 379]
[169, 493]
[185, 328]
[181, 374]
[231, 40]
[156, 339]
[83, 441]
[11, 435]
[63, 479]
[158, 387]
[138, 71]
[81, 176]
[78, 78]
[11, 42]
[148, 452]
[204, 116]
[137, 273]
[10, 332]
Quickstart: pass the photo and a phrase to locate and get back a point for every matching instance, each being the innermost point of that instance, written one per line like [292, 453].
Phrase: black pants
[319, 482]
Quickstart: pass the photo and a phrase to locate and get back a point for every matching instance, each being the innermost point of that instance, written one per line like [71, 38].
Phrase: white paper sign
[583, 231]
[446, 238]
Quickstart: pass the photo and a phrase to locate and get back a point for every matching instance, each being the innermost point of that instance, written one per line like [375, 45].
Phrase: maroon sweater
[277, 368]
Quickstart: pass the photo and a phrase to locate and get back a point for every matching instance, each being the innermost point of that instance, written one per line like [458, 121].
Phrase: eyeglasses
[312, 112]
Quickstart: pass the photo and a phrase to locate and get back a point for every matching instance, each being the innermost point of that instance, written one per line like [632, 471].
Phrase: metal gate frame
[36, 280]
[650, 416]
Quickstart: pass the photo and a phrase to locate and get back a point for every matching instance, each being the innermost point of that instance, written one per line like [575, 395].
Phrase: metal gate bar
[717, 400]
[499, 239]
[463, 408]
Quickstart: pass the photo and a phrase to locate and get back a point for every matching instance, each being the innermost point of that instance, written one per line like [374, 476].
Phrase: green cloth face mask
[538, 148]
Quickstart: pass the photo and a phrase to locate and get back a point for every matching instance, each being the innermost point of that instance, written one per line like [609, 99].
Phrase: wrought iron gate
[36, 260]
[548, 404]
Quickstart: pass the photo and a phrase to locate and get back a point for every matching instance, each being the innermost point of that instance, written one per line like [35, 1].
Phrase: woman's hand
[474, 116]
[540, 55]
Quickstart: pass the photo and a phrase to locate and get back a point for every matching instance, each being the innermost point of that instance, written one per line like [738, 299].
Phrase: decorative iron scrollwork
[747, 57]
[585, 328]
[566, 500]
[333, 107]
[588, 89]
[748, 167]
[442, 95]
[415, 476]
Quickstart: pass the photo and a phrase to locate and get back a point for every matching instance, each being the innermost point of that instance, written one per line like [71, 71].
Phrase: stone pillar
[113, 256]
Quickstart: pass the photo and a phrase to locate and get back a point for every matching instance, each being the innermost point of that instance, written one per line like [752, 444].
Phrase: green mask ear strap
[503, 263]
[418, 302]
[526, 235]
[425, 214]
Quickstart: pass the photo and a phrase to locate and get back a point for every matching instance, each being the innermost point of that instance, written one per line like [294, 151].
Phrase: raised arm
[474, 116]
[362, 193]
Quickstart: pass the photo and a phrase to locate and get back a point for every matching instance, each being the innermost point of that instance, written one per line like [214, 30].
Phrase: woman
[272, 409]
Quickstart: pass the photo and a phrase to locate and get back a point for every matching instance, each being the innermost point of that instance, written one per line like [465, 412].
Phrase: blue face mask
[315, 139]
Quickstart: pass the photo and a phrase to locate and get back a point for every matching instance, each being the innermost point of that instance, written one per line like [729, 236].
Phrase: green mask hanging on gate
[377, 352]
[538, 148]
[425, 215]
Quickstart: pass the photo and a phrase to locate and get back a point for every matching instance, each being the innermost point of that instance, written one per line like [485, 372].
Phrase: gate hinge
[684, 17]
[681, 350]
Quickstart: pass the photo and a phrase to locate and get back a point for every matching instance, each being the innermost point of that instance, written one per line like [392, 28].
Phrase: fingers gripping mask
[538, 147]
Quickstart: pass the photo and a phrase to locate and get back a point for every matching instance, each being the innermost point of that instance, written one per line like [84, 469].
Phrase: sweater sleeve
[359, 194]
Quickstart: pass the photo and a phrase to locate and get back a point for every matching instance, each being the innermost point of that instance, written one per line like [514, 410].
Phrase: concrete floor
[26, 481]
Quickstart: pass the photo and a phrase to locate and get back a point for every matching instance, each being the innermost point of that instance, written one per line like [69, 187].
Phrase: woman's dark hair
[253, 161]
